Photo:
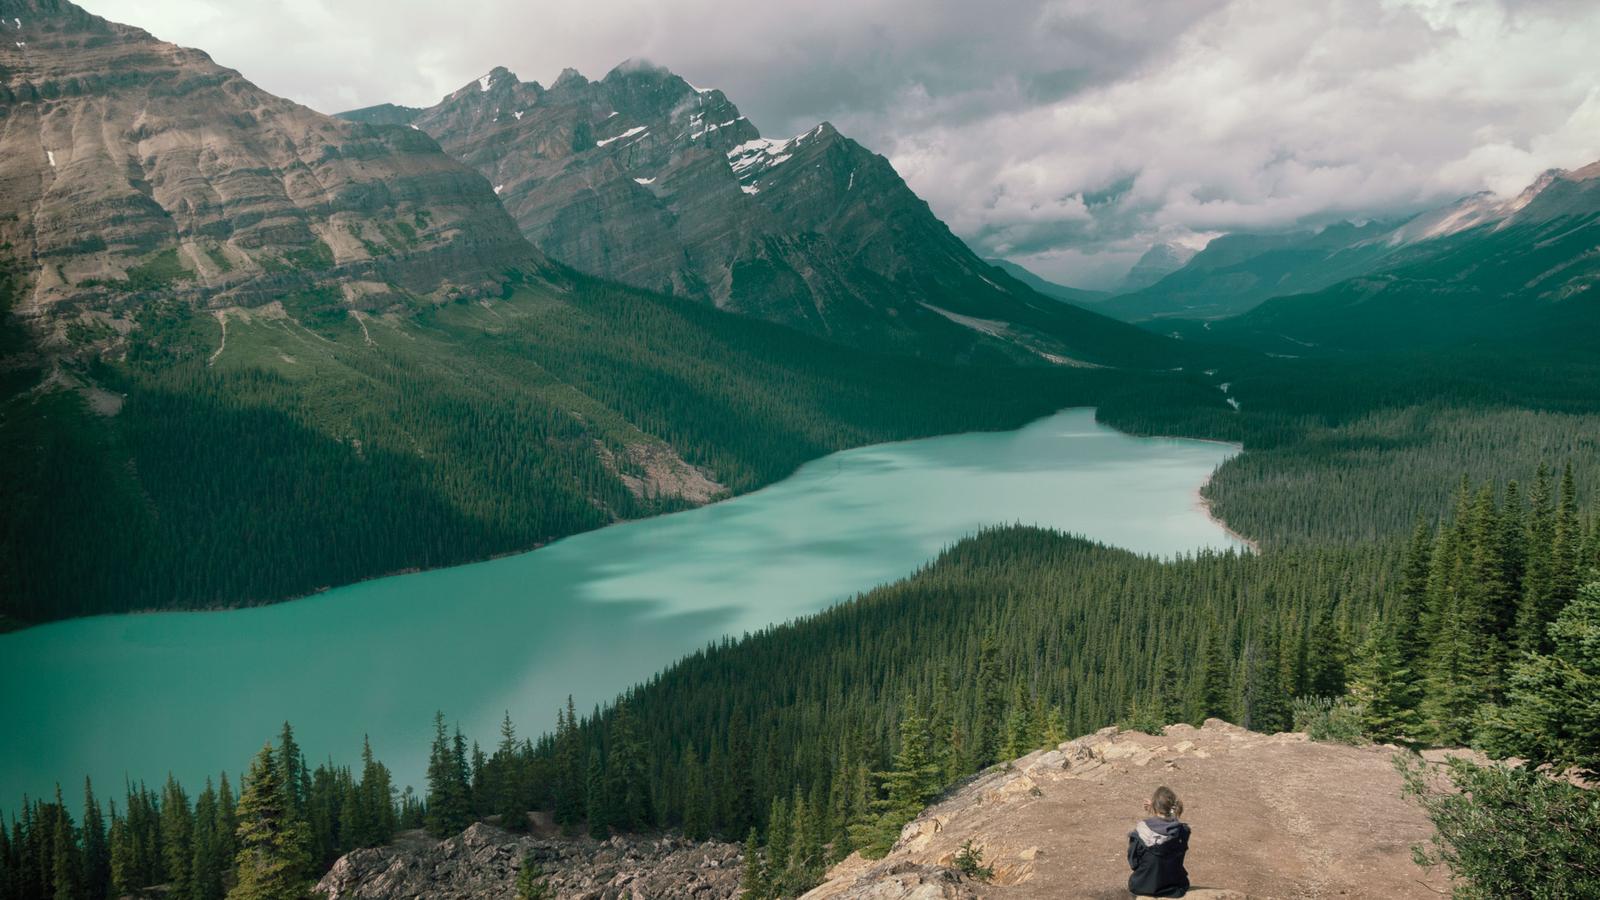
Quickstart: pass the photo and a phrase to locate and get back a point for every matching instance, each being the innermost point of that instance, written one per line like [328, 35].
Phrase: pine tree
[509, 800]
[177, 839]
[448, 802]
[599, 799]
[629, 779]
[1552, 709]
[271, 839]
[986, 744]
[1537, 603]
[66, 864]
[1214, 679]
[1327, 656]
[1382, 687]
[226, 830]
[291, 772]
[377, 799]
[696, 799]
[1020, 729]
[96, 877]
[208, 864]
[1413, 596]
[754, 884]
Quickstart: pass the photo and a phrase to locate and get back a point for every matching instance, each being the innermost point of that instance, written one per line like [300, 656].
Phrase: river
[139, 695]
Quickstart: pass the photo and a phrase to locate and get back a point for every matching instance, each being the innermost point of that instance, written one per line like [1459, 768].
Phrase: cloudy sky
[1069, 135]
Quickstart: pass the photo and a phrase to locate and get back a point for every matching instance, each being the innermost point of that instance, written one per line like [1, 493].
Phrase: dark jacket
[1155, 853]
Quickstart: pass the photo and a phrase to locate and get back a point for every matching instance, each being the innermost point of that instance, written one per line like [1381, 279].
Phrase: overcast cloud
[1066, 134]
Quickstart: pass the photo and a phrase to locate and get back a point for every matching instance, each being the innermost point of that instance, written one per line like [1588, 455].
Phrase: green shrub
[969, 860]
[1508, 832]
[531, 883]
[1336, 719]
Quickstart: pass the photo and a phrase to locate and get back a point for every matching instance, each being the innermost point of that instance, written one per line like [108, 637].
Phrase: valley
[786, 533]
[514, 634]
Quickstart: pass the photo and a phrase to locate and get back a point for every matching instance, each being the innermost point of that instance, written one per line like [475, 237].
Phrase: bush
[1145, 717]
[530, 881]
[969, 860]
[1508, 832]
[1336, 719]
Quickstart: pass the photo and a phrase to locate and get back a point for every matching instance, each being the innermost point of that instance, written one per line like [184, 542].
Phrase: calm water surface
[138, 695]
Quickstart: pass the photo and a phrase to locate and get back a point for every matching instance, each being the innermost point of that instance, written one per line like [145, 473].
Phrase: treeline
[287, 825]
[462, 432]
[1349, 451]
[826, 735]
[823, 736]
[1477, 595]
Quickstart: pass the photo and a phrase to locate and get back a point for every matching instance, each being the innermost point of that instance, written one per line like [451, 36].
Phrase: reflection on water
[589, 615]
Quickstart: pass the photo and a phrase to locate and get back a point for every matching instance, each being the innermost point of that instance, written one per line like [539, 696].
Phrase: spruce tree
[1537, 602]
[177, 839]
[208, 864]
[1383, 687]
[987, 737]
[1552, 709]
[599, 798]
[96, 878]
[448, 803]
[753, 885]
[271, 839]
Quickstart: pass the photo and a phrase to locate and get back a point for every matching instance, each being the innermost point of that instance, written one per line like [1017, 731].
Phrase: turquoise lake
[195, 693]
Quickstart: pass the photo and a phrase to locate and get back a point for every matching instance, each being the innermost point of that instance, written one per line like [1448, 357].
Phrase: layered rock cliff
[485, 862]
[132, 169]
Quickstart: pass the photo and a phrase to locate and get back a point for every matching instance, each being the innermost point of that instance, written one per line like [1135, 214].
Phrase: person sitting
[1156, 847]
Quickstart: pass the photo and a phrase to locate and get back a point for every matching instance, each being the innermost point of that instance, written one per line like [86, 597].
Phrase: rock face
[1273, 816]
[483, 862]
[132, 168]
[643, 178]
[1157, 263]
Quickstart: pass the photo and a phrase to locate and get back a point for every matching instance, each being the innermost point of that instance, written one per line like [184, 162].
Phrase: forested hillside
[343, 447]
[824, 735]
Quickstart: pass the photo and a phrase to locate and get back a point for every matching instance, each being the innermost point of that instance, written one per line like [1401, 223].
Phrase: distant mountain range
[1521, 274]
[643, 178]
[1236, 273]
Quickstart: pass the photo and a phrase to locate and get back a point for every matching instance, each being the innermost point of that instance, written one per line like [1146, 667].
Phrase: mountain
[1236, 272]
[645, 179]
[1521, 273]
[131, 168]
[1157, 263]
[1048, 288]
[235, 329]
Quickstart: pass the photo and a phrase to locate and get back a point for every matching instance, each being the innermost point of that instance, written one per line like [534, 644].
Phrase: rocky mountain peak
[568, 78]
[1157, 263]
[141, 170]
[645, 178]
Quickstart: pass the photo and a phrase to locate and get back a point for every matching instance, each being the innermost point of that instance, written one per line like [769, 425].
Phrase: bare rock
[484, 861]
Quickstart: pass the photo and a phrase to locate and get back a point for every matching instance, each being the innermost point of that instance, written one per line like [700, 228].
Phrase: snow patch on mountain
[637, 129]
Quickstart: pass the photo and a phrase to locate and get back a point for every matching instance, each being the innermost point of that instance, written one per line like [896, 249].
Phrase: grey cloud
[1068, 134]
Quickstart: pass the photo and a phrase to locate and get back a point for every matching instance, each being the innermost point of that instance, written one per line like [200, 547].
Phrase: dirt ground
[1272, 816]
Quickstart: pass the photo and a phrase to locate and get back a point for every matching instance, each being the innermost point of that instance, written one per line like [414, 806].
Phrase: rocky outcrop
[483, 862]
[133, 169]
[643, 178]
[1273, 816]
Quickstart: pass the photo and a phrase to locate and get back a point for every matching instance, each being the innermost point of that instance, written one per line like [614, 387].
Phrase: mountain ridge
[643, 178]
[139, 169]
